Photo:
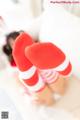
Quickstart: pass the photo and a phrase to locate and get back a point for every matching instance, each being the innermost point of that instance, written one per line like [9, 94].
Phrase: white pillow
[63, 29]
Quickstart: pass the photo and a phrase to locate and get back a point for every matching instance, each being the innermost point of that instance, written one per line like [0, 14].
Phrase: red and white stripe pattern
[32, 80]
[28, 73]
[49, 57]
[49, 76]
[65, 68]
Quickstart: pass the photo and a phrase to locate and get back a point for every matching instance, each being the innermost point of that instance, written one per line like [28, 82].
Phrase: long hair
[7, 48]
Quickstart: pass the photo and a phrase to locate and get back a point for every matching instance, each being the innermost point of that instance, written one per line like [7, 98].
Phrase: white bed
[63, 29]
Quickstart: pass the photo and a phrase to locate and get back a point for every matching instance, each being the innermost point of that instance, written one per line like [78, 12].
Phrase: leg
[59, 86]
[45, 97]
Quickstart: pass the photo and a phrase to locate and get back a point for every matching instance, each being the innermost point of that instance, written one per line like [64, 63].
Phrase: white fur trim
[40, 84]
[27, 74]
[63, 66]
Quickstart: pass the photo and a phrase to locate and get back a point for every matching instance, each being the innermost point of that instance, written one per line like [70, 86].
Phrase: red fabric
[42, 55]
[12, 63]
[20, 44]
[33, 80]
[22, 61]
[45, 55]
[67, 70]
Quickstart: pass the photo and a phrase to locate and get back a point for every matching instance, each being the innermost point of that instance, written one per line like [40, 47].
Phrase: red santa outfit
[39, 62]
[50, 60]
[28, 73]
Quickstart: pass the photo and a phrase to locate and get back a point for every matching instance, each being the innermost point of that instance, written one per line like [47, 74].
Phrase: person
[41, 71]
[7, 48]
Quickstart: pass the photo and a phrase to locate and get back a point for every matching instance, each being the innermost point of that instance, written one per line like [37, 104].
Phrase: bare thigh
[59, 86]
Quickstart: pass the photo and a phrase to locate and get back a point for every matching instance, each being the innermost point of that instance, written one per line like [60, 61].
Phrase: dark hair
[7, 48]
